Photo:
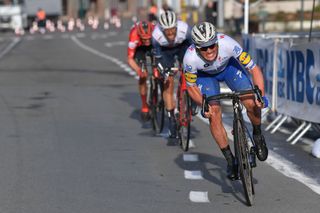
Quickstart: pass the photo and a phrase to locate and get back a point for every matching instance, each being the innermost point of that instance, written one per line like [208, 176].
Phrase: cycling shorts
[234, 75]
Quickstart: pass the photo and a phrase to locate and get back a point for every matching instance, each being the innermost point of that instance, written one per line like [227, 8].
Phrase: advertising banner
[298, 75]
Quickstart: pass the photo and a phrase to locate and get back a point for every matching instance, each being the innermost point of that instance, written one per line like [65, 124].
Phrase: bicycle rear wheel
[184, 120]
[242, 154]
[157, 106]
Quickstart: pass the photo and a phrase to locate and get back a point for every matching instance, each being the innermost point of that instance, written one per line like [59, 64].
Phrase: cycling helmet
[204, 35]
[144, 29]
[168, 19]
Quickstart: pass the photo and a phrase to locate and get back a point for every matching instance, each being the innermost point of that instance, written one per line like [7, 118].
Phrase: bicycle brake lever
[204, 106]
[258, 93]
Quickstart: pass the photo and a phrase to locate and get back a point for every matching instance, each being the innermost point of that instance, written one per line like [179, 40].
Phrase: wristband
[266, 101]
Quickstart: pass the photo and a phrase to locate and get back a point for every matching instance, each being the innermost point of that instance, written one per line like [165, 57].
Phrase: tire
[157, 106]
[184, 120]
[242, 154]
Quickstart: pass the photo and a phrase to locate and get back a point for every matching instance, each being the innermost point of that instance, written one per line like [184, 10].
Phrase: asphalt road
[71, 141]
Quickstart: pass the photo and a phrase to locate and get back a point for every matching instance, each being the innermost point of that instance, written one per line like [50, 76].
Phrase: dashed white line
[193, 175]
[199, 197]
[190, 157]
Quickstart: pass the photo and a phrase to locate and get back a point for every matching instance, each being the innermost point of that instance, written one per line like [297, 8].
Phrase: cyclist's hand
[142, 74]
[209, 113]
[265, 104]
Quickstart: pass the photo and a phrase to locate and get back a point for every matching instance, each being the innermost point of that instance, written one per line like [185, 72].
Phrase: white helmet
[204, 34]
[168, 19]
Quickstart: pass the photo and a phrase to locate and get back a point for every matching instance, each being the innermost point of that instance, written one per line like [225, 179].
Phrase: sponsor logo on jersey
[237, 50]
[191, 48]
[221, 37]
[132, 45]
[244, 58]
[188, 68]
[190, 77]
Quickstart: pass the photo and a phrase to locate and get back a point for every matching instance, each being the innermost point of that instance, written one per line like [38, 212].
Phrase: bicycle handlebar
[231, 95]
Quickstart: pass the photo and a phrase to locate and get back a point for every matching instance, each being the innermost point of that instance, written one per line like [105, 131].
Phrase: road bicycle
[154, 94]
[244, 146]
[183, 113]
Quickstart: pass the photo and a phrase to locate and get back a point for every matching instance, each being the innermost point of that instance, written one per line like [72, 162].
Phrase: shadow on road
[214, 170]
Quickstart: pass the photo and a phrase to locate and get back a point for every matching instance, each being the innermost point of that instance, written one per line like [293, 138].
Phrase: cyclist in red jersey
[139, 45]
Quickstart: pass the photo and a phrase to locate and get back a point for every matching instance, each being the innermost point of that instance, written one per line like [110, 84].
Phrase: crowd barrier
[291, 68]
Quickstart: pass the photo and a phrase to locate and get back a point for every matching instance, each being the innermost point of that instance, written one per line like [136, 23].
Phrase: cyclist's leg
[237, 79]
[167, 61]
[209, 86]
[140, 55]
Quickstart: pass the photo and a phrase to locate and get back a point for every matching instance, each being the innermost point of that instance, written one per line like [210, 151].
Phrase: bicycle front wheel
[242, 154]
[157, 107]
[184, 119]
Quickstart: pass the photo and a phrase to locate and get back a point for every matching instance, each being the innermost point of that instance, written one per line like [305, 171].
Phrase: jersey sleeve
[242, 56]
[189, 67]
[133, 42]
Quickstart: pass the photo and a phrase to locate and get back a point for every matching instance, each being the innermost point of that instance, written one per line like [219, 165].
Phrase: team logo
[188, 68]
[132, 45]
[244, 58]
[236, 50]
[190, 77]
[206, 65]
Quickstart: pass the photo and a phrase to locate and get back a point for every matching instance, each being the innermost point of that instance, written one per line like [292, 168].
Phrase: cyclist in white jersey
[170, 38]
[215, 57]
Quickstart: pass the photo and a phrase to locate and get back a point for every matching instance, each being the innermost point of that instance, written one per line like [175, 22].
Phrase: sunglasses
[208, 47]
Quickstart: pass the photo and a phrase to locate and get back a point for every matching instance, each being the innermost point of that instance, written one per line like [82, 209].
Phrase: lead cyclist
[213, 58]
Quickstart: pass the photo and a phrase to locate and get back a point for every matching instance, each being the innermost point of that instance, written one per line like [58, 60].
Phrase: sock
[228, 155]
[256, 129]
[170, 114]
[144, 101]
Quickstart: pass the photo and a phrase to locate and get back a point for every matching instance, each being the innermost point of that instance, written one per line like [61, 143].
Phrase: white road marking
[190, 157]
[192, 144]
[47, 37]
[193, 175]
[116, 43]
[14, 42]
[199, 197]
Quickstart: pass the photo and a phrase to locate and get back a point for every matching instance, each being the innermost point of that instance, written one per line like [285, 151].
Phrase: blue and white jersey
[159, 40]
[227, 48]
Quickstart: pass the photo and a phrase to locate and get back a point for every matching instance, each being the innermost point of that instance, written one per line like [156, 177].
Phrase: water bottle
[252, 158]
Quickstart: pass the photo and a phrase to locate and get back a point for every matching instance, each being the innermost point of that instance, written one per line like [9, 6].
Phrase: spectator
[211, 12]
[41, 20]
[152, 15]
[166, 7]
[237, 12]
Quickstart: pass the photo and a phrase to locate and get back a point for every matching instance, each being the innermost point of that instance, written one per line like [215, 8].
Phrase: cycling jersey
[134, 41]
[227, 67]
[228, 48]
[165, 50]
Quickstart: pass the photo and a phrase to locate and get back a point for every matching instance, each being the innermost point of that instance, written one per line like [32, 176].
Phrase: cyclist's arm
[195, 94]
[257, 78]
[132, 46]
[190, 73]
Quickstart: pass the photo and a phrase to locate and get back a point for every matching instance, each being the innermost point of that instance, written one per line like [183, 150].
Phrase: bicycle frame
[181, 89]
